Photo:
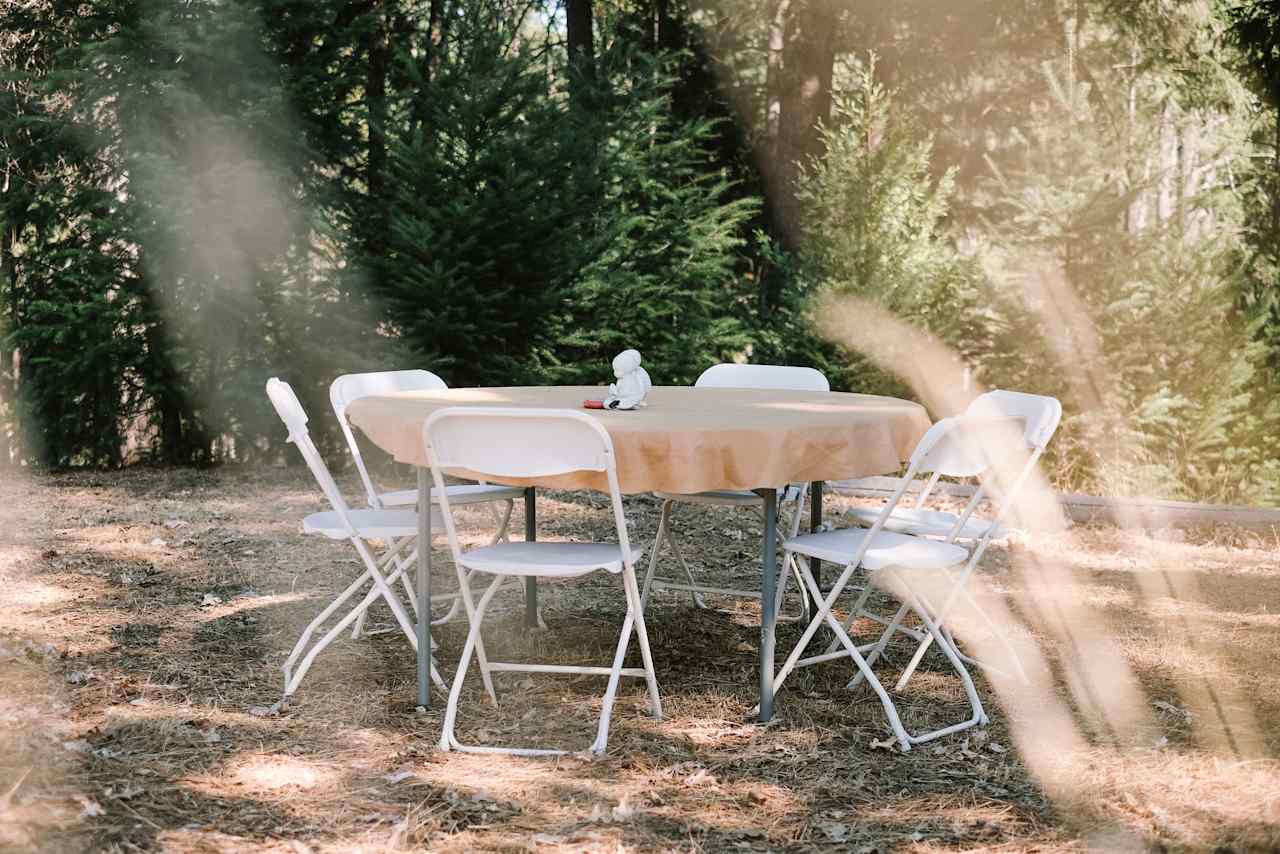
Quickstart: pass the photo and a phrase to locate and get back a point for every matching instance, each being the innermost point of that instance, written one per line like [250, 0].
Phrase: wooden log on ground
[1149, 513]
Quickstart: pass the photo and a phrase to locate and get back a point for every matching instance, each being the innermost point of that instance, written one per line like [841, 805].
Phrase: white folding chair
[1040, 416]
[398, 528]
[729, 375]
[959, 447]
[533, 443]
[349, 388]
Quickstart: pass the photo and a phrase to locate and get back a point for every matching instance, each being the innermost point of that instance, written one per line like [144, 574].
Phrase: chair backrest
[1042, 413]
[967, 445]
[959, 446]
[517, 443]
[999, 450]
[349, 388]
[503, 442]
[294, 417]
[788, 377]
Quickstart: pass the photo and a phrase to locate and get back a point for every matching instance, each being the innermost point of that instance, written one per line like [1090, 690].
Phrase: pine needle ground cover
[146, 614]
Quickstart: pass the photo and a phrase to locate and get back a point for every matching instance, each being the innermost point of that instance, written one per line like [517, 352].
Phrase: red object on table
[593, 404]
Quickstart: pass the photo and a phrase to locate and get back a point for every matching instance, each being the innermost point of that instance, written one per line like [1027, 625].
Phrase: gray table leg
[424, 588]
[530, 534]
[768, 588]
[815, 525]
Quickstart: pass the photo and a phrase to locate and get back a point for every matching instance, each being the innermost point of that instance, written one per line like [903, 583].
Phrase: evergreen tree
[660, 275]
[874, 227]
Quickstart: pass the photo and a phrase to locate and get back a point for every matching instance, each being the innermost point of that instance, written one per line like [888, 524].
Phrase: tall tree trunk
[432, 50]
[804, 102]
[778, 11]
[1166, 193]
[768, 153]
[664, 26]
[1275, 192]
[377, 238]
[9, 391]
[582, 51]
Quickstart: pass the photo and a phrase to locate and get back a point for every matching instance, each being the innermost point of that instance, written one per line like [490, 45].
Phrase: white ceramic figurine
[633, 382]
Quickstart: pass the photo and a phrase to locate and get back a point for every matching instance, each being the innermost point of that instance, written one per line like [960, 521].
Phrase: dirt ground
[145, 616]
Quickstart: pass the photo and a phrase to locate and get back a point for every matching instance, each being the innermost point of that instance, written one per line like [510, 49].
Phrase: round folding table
[686, 440]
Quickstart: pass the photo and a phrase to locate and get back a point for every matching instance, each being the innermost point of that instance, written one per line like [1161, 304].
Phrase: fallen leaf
[173, 524]
[889, 743]
[624, 810]
[397, 777]
[210, 599]
[547, 839]
[1172, 709]
[126, 793]
[701, 777]
[835, 831]
[89, 807]
[78, 746]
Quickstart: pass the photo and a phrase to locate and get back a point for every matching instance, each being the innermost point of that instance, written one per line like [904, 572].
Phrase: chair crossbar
[516, 667]
[830, 656]
[669, 584]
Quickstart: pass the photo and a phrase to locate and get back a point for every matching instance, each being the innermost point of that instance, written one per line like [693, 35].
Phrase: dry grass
[146, 614]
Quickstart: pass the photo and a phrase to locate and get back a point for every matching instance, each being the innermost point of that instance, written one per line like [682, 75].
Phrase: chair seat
[369, 524]
[887, 549]
[928, 523]
[459, 495]
[551, 559]
[718, 497]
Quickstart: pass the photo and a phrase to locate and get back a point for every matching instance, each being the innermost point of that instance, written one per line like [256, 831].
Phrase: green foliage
[196, 196]
[874, 226]
[1130, 316]
[491, 193]
[1254, 28]
[534, 241]
[663, 246]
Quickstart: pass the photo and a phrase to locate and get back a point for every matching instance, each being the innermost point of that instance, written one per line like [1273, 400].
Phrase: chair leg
[447, 739]
[961, 590]
[464, 595]
[642, 633]
[653, 554]
[665, 530]
[615, 673]
[905, 739]
[633, 623]
[504, 522]
[699, 600]
[824, 615]
[970, 690]
[293, 677]
[878, 649]
[853, 615]
[383, 562]
[824, 607]
[318, 620]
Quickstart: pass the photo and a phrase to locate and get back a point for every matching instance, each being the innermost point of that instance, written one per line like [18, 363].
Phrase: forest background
[1078, 197]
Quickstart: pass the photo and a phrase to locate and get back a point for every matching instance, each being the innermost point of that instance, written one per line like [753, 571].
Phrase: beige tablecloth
[689, 439]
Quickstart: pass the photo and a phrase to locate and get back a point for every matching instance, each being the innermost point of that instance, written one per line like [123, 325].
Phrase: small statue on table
[632, 385]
